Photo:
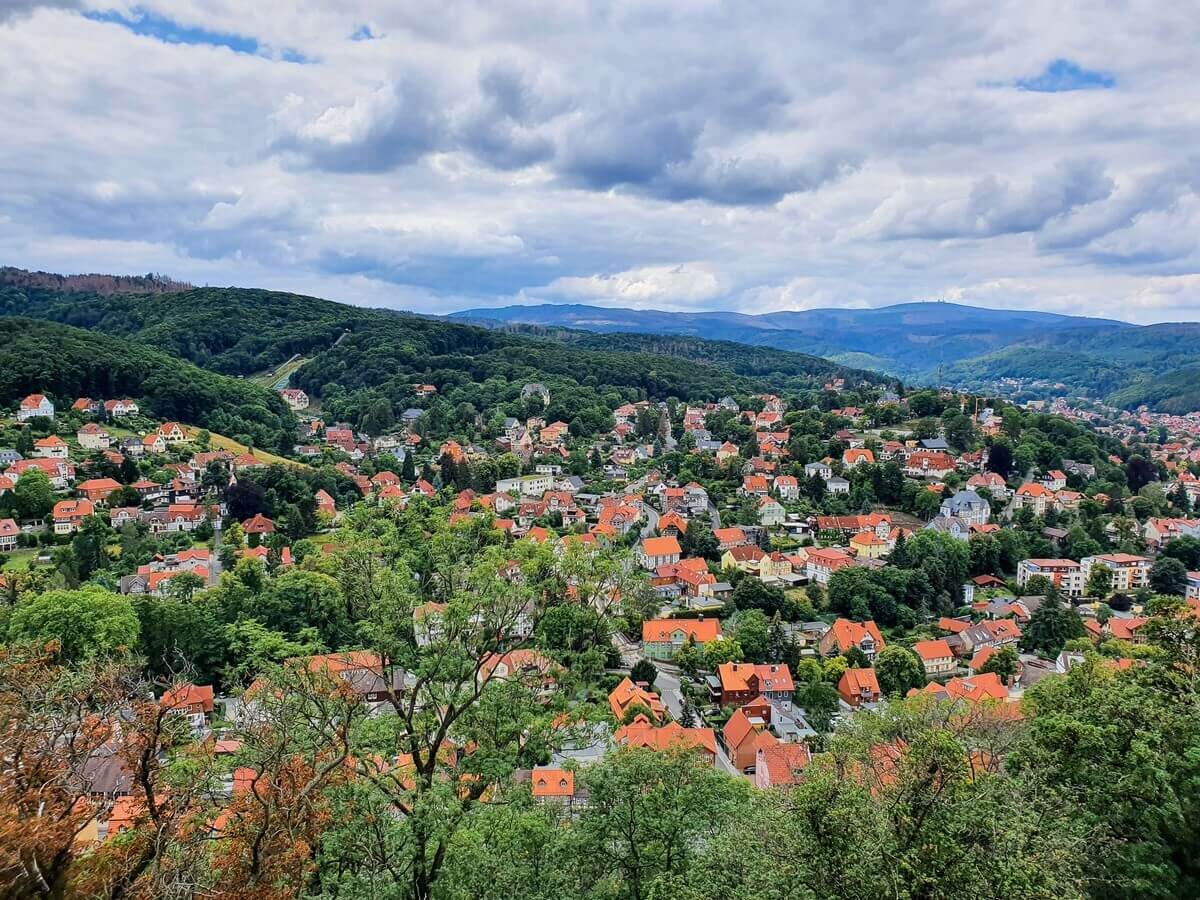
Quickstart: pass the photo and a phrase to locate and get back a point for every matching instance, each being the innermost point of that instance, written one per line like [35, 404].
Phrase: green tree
[1169, 576]
[644, 671]
[1003, 662]
[647, 816]
[33, 495]
[1099, 582]
[898, 670]
[752, 632]
[1051, 626]
[86, 623]
[718, 652]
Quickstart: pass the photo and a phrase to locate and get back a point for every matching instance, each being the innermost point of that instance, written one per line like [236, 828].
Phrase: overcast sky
[748, 156]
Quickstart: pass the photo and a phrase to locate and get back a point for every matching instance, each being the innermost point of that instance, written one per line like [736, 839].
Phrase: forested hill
[69, 362]
[362, 364]
[976, 348]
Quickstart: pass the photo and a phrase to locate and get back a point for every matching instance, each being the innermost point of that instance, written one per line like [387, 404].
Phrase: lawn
[19, 559]
[220, 442]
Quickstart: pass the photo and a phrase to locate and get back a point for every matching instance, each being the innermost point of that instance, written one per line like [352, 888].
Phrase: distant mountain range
[973, 347]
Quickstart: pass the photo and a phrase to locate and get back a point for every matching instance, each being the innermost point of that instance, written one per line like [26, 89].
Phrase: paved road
[651, 525]
[667, 685]
[714, 516]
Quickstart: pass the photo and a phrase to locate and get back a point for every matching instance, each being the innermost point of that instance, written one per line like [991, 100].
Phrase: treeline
[68, 363]
[151, 283]
[364, 362]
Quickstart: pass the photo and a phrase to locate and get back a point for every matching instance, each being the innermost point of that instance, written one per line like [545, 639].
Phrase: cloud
[392, 125]
[456, 153]
[992, 206]
[12, 10]
[676, 286]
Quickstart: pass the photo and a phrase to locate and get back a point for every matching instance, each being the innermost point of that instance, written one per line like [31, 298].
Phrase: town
[739, 580]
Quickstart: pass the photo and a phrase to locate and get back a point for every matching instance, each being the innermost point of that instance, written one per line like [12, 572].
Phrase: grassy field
[277, 376]
[18, 560]
[220, 442]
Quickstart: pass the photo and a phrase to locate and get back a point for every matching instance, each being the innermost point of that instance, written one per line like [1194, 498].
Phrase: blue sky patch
[1065, 75]
[171, 32]
[363, 33]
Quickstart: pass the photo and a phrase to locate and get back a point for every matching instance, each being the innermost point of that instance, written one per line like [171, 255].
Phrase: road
[651, 525]
[667, 685]
[714, 516]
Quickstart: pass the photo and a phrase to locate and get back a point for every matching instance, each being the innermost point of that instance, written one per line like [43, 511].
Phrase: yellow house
[747, 558]
[868, 545]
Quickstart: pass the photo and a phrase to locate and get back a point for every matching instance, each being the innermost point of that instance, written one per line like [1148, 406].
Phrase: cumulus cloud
[456, 153]
[680, 285]
[11, 10]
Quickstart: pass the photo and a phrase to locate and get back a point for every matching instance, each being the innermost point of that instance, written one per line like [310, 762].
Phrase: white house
[33, 406]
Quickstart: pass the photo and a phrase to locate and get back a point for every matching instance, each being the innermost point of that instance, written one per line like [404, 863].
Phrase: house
[754, 486]
[936, 656]
[820, 469]
[951, 525]
[52, 447]
[184, 517]
[990, 480]
[117, 409]
[258, 524]
[557, 786]
[1055, 480]
[778, 765]
[9, 532]
[68, 515]
[60, 472]
[737, 683]
[730, 537]
[859, 687]
[627, 695]
[295, 398]
[787, 487]
[92, 437]
[1033, 496]
[967, 506]
[928, 464]
[727, 451]
[744, 734]
[822, 562]
[97, 489]
[1121, 629]
[172, 432]
[844, 634]
[661, 638]
[770, 512]
[857, 457]
[837, 485]
[1129, 572]
[995, 633]
[35, 406]
[154, 443]
[1192, 593]
[641, 732]
[746, 558]
[867, 545]
[193, 701]
[1065, 574]
[87, 405]
[659, 551]
[972, 689]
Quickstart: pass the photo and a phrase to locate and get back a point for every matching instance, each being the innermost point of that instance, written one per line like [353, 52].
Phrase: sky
[684, 155]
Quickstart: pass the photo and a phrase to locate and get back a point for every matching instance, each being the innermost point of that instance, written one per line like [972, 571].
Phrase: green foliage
[66, 363]
[85, 623]
[898, 670]
[1050, 627]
